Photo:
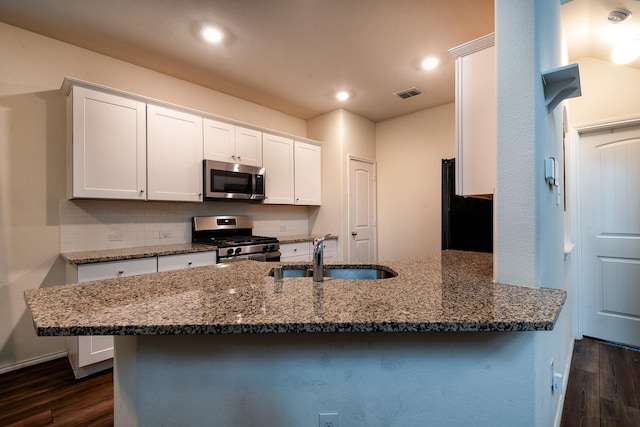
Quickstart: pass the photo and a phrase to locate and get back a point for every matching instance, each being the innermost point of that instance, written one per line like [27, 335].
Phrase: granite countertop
[303, 238]
[105, 255]
[449, 292]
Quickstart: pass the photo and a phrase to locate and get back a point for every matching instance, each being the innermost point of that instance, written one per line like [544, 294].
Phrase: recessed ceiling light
[212, 35]
[342, 95]
[626, 53]
[430, 63]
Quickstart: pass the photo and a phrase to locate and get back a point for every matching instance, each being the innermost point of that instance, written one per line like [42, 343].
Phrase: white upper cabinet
[476, 117]
[108, 146]
[277, 159]
[307, 173]
[174, 155]
[225, 142]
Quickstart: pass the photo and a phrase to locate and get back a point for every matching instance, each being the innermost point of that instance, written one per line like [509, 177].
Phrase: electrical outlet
[552, 375]
[557, 380]
[328, 419]
[115, 237]
[166, 234]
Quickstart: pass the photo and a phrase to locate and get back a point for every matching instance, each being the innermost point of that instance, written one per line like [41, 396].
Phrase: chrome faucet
[318, 263]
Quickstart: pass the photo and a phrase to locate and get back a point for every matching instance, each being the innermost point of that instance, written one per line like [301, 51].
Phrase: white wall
[530, 236]
[409, 151]
[33, 173]
[343, 134]
[370, 379]
[610, 92]
[86, 224]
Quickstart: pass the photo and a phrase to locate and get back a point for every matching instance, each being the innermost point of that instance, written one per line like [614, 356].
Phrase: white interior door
[610, 234]
[362, 215]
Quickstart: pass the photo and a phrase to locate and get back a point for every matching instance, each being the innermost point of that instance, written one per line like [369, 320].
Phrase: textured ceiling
[292, 55]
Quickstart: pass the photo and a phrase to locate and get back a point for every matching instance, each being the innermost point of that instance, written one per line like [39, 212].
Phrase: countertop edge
[122, 254]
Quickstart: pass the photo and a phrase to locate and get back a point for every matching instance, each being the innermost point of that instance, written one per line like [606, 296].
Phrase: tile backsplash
[107, 224]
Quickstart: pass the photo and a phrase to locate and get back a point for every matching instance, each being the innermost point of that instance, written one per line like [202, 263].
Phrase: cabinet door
[299, 251]
[94, 349]
[277, 155]
[219, 141]
[174, 157]
[307, 174]
[476, 123]
[108, 144]
[110, 270]
[248, 147]
[330, 250]
[182, 261]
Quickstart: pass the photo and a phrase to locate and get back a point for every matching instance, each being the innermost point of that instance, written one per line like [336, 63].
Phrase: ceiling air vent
[408, 93]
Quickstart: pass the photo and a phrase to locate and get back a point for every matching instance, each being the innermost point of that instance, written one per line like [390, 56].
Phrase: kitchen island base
[392, 379]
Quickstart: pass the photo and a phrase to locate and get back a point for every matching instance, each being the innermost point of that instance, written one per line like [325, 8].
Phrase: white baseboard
[565, 382]
[31, 362]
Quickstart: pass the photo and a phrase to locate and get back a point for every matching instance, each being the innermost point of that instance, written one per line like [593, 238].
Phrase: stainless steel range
[233, 235]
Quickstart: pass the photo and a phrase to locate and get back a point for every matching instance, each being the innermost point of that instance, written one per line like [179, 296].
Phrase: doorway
[609, 210]
[362, 211]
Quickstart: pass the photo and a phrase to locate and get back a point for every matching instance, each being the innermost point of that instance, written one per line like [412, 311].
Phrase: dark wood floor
[48, 394]
[604, 386]
[603, 390]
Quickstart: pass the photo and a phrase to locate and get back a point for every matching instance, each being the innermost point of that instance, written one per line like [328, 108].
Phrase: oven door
[232, 181]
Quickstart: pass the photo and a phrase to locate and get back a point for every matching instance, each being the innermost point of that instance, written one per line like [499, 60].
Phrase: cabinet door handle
[189, 263]
[354, 233]
[120, 271]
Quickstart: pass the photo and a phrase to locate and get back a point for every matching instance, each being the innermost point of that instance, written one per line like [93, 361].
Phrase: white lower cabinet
[303, 251]
[182, 261]
[330, 250]
[91, 354]
[299, 251]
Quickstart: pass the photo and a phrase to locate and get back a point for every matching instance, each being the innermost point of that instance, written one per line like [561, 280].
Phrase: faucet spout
[318, 261]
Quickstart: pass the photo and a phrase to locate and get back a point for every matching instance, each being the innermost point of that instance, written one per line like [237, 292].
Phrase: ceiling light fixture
[618, 15]
[626, 53]
[626, 41]
[212, 35]
[430, 63]
[342, 95]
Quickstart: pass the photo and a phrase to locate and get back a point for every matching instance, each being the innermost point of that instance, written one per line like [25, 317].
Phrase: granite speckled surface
[449, 292]
[105, 255]
[303, 238]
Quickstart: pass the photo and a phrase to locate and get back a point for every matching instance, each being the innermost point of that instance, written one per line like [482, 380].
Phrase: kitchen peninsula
[225, 345]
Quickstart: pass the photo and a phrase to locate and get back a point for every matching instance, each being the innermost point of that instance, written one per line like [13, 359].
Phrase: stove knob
[238, 250]
[272, 247]
[265, 248]
[229, 251]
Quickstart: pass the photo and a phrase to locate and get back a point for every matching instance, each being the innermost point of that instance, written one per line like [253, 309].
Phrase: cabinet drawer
[300, 250]
[109, 270]
[178, 262]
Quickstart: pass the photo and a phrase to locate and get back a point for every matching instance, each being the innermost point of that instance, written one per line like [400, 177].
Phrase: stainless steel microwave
[232, 181]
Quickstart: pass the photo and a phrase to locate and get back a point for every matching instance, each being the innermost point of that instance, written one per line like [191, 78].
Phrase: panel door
[219, 141]
[94, 349]
[307, 173]
[174, 155]
[277, 155]
[248, 147]
[108, 146]
[610, 233]
[362, 247]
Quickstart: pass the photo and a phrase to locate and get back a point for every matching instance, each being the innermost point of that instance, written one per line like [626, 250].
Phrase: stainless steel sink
[345, 272]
